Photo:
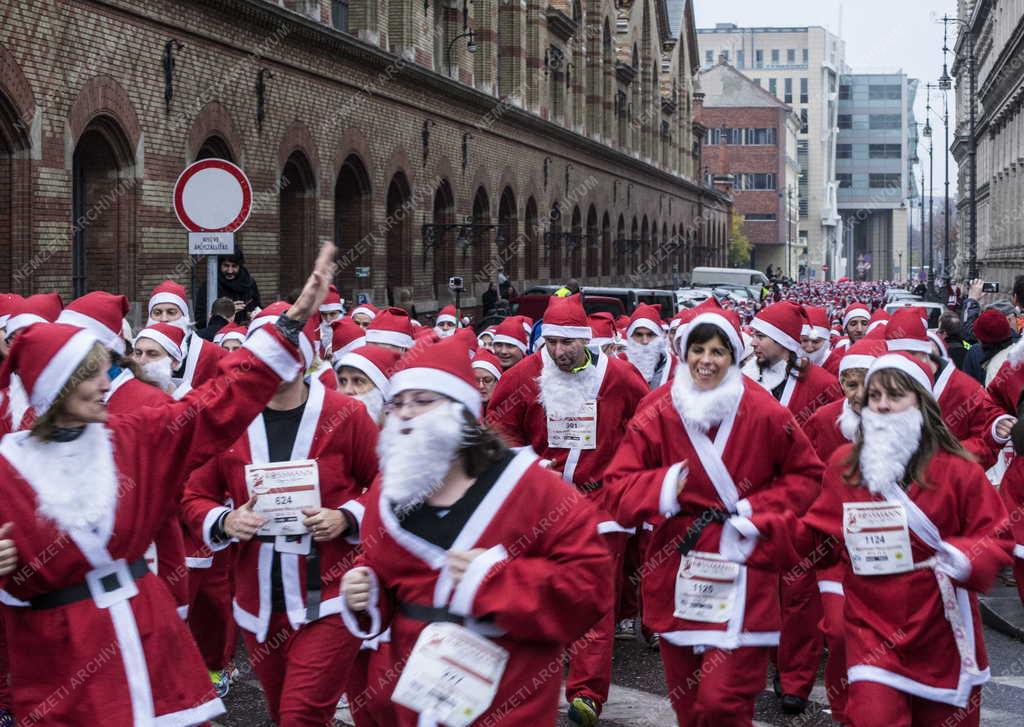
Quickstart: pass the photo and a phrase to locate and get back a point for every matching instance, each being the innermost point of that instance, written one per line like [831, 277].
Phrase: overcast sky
[880, 35]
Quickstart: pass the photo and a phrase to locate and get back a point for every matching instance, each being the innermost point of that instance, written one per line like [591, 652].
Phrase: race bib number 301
[877, 538]
[574, 432]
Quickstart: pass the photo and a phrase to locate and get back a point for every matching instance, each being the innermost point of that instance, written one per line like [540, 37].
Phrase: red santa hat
[468, 339]
[878, 318]
[487, 361]
[602, 329]
[566, 318]
[782, 322]
[992, 327]
[9, 303]
[367, 309]
[447, 315]
[332, 302]
[862, 354]
[423, 333]
[170, 338]
[856, 310]
[906, 331]
[392, 327]
[272, 312]
[511, 331]
[916, 369]
[816, 327]
[45, 357]
[443, 368]
[231, 332]
[727, 321]
[376, 362]
[101, 313]
[489, 331]
[346, 335]
[39, 308]
[646, 316]
[169, 292]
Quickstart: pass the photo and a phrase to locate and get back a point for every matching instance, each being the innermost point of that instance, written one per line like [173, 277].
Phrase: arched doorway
[593, 244]
[532, 233]
[620, 247]
[351, 224]
[508, 222]
[606, 245]
[297, 216]
[634, 249]
[15, 185]
[445, 264]
[103, 210]
[645, 243]
[554, 247]
[481, 239]
[399, 243]
[576, 266]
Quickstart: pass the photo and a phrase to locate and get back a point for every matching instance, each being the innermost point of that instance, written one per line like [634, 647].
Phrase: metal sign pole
[212, 287]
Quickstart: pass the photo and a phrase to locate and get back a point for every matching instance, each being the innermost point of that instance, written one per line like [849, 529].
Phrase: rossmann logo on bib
[861, 520]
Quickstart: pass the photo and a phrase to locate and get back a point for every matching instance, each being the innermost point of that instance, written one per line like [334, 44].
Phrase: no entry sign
[212, 199]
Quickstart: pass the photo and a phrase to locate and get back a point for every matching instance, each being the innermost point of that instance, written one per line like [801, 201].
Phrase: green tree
[739, 244]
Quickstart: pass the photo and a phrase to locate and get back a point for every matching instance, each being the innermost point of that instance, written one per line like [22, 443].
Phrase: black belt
[711, 515]
[430, 614]
[314, 584]
[81, 592]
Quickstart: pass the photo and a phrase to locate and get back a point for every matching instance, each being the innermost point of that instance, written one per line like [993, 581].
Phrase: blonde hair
[95, 361]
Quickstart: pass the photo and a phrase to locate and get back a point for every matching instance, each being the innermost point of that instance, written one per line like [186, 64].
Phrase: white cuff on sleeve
[183, 612]
[208, 522]
[743, 508]
[465, 592]
[1001, 440]
[668, 502]
[356, 510]
[271, 352]
[1018, 551]
[952, 562]
[739, 537]
[372, 610]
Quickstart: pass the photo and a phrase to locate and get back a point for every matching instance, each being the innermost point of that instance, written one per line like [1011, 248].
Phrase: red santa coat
[969, 413]
[335, 431]
[1005, 389]
[757, 460]
[516, 412]
[142, 664]
[897, 632]
[814, 388]
[1011, 489]
[540, 585]
[127, 395]
[835, 355]
[201, 364]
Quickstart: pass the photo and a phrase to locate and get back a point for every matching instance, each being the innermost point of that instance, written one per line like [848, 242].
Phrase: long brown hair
[935, 435]
[481, 447]
[95, 361]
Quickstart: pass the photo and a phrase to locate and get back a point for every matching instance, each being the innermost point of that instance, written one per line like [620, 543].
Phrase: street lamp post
[470, 46]
[931, 196]
[945, 84]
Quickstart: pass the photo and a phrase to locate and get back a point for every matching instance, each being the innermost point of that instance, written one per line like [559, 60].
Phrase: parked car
[534, 303]
[752, 280]
[629, 297]
[935, 310]
[690, 297]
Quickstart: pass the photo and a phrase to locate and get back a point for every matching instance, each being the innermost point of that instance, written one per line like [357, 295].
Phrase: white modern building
[802, 67]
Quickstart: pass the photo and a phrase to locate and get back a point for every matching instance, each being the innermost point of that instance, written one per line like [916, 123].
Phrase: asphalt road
[638, 693]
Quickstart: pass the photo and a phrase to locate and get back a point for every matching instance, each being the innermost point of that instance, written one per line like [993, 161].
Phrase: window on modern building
[791, 56]
[709, 57]
[885, 181]
[885, 151]
[759, 137]
[759, 59]
[713, 137]
[845, 180]
[802, 160]
[844, 151]
[803, 121]
[806, 56]
[788, 96]
[339, 15]
[773, 86]
[775, 57]
[884, 121]
[803, 90]
[755, 181]
[845, 121]
[885, 93]
[845, 92]
[759, 217]
[740, 57]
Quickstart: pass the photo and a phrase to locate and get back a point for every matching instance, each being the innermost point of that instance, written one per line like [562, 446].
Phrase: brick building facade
[569, 131]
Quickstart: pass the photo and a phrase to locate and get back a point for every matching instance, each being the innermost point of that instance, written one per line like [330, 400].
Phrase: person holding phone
[234, 282]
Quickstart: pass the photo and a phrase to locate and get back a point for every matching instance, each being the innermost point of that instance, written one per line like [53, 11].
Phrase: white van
[753, 280]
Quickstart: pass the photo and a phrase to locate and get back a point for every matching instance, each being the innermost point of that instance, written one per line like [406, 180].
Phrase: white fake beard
[769, 376]
[563, 393]
[159, 372]
[413, 463]
[645, 356]
[18, 401]
[442, 333]
[373, 400]
[818, 357]
[849, 422]
[76, 482]
[704, 409]
[890, 440]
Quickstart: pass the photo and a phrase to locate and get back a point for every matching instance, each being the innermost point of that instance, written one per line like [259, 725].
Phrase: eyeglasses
[415, 404]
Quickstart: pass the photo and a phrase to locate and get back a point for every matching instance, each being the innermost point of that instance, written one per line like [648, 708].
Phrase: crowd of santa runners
[439, 525]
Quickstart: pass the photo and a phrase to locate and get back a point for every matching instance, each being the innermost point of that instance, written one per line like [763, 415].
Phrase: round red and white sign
[212, 195]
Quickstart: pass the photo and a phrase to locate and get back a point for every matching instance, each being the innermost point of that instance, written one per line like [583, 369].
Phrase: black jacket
[243, 287]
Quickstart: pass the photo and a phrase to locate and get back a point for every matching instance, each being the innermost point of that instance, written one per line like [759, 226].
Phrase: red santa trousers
[210, 620]
[5, 686]
[370, 684]
[877, 705]
[628, 603]
[716, 688]
[836, 686]
[800, 643]
[590, 657]
[303, 673]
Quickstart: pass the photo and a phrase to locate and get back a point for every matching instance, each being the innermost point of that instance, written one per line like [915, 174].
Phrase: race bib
[284, 489]
[706, 588]
[452, 675]
[575, 432]
[877, 538]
